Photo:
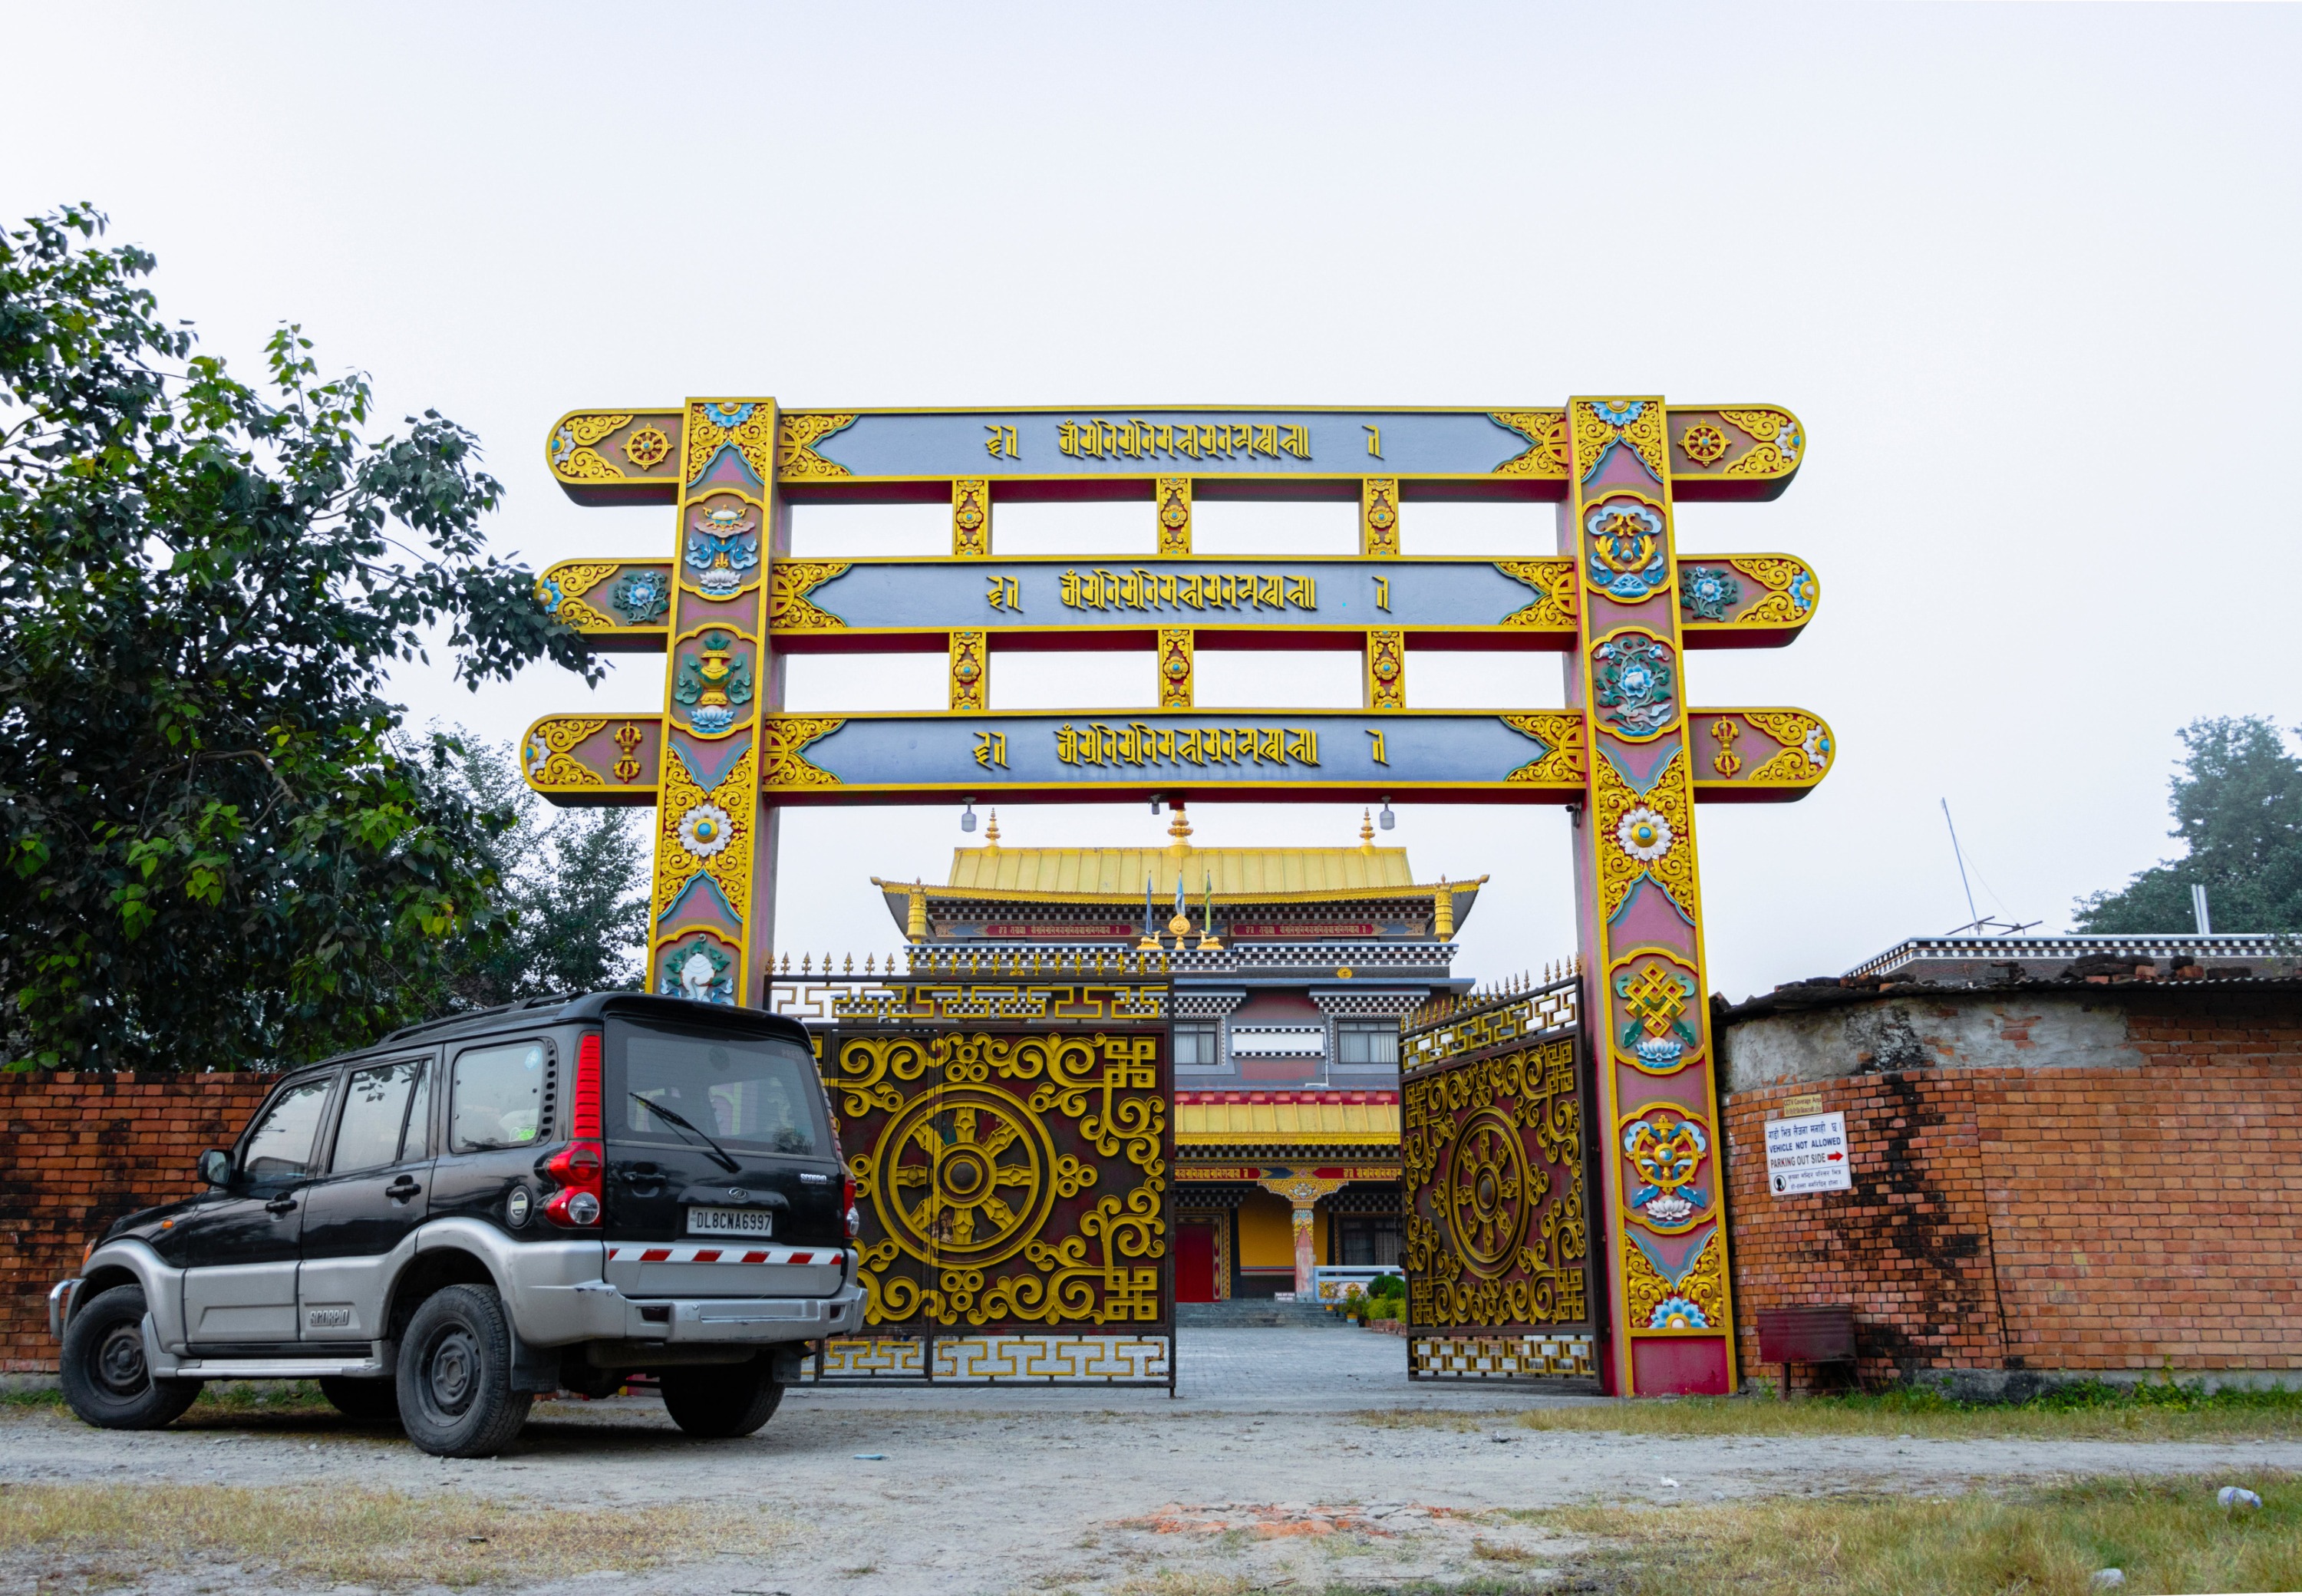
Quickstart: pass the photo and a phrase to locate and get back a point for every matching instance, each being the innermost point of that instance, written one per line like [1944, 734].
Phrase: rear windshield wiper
[678, 1123]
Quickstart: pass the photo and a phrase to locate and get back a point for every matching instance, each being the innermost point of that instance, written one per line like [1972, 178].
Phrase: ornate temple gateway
[1291, 970]
[1628, 753]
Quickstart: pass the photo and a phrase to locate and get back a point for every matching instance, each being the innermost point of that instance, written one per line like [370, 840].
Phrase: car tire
[454, 1380]
[365, 1401]
[719, 1401]
[105, 1379]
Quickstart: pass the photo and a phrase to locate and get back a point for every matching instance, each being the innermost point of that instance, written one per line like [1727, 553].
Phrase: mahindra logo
[737, 1193]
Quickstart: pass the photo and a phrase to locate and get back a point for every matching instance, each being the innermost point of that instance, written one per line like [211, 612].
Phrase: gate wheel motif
[969, 1176]
[1488, 1189]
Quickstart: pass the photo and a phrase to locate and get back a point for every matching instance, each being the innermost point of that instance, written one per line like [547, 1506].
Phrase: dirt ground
[1315, 1484]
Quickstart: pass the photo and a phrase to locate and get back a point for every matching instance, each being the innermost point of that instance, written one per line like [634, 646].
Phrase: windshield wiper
[678, 1123]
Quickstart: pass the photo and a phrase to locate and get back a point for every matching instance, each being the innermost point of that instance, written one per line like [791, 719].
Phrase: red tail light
[581, 1167]
[854, 1216]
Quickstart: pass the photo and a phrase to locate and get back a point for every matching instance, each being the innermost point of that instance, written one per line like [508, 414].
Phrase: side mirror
[216, 1167]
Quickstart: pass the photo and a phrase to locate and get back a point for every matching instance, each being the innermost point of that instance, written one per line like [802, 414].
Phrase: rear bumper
[595, 1311]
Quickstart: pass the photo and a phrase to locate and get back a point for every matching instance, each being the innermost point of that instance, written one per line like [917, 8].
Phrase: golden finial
[1367, 831]
[849, 967]
[991, 832]
[806, 963]
[1180, 828]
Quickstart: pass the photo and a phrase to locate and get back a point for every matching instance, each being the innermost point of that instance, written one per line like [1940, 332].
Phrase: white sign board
[1808, 1153]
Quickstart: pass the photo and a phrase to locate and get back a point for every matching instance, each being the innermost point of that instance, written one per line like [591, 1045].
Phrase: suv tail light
[581, 1167]
[854, 1217]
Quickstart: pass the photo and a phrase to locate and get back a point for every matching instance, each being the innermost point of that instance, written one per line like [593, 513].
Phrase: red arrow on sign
[1835, 1157]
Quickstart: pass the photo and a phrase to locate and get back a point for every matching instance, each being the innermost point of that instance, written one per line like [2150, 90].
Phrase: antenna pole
[1958, 854]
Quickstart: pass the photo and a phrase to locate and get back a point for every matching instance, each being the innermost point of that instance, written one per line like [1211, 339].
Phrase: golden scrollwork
[1560, 732]
[1776, 452]
[547, 753]
[729, 863]
[1486, 1142]
[748, 424]
[1764, 425]
[1554, 579]
[1702, 1284]
[789, 583]
[1619, 869]
[1379, 515]
[1545, 432]
[796, 457]
[1784, 604]
[573, 579]
[1386, 668]
[1173, 494]
[573, 452]
[1807, 750]
[971, 517]
[971, 680]
[966, 1171]
[782, 740]
[1178, 665]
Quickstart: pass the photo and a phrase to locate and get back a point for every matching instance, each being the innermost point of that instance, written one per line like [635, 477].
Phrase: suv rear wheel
[365, 1401]
[721, 1400]
[455, 1399]
[104, 1376]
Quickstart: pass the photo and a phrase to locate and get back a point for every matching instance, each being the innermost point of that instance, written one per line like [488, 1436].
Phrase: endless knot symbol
[1656, 999]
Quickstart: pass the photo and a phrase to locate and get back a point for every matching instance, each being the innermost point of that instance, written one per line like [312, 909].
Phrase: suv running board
[279, 1368]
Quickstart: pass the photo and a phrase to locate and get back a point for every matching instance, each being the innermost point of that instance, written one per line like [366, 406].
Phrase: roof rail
[502, 1008]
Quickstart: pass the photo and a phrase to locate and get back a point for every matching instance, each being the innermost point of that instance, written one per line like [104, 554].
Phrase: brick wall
[79, 1150]
[2114, 1217]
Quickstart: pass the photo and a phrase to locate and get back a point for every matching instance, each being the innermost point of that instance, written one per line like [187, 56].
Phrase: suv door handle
[403, 1189]
[280, 1205]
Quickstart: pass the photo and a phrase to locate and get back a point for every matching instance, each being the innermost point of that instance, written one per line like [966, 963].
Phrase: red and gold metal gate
[1500, 1280]
[1013, 1183]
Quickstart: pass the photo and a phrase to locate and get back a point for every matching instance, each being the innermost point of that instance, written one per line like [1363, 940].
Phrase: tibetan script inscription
[1141, 589]
[1139, 745]
[1096, 438]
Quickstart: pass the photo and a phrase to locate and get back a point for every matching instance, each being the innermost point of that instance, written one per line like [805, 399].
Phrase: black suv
[550, 1196]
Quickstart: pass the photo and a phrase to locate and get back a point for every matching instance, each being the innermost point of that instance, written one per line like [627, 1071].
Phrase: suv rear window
[757, 1093]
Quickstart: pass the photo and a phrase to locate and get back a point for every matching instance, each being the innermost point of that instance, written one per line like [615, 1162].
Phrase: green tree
[572, 890]
[217, 844]
[2238, 809]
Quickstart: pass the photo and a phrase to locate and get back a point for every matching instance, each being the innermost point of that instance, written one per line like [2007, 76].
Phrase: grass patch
[347, 1536]
[2084, 1410]
[2167, 1535]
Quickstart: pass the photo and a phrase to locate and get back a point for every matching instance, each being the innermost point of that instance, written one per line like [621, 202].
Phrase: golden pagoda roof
[1116, 874]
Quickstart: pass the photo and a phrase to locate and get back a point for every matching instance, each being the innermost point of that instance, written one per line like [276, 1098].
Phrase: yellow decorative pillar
[1173, 494]
[971, 517]
[1379, 514]
[1303, 1192]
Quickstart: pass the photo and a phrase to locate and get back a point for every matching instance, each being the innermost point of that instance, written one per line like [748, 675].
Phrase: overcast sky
[2027, 275]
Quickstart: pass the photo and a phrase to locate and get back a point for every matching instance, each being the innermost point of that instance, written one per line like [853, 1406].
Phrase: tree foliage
[572, 891]
[219, 845]
[2238, 810]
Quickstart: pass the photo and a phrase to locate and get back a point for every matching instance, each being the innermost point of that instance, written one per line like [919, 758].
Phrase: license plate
[729, 1222]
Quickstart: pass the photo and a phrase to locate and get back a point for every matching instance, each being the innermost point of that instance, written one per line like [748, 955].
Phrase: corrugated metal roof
[1120, 872]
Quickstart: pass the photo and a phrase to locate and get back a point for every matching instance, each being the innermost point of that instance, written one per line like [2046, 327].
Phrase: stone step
[1252, 1313]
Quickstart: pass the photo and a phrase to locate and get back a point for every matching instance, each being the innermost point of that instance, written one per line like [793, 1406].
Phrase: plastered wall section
[79, 1150]
[2055, 1186]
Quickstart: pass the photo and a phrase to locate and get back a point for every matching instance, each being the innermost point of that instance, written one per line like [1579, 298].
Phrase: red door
[1194, 1263]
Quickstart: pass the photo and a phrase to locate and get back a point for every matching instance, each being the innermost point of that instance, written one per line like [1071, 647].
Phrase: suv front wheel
[104, 1376]
[455, 1399]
